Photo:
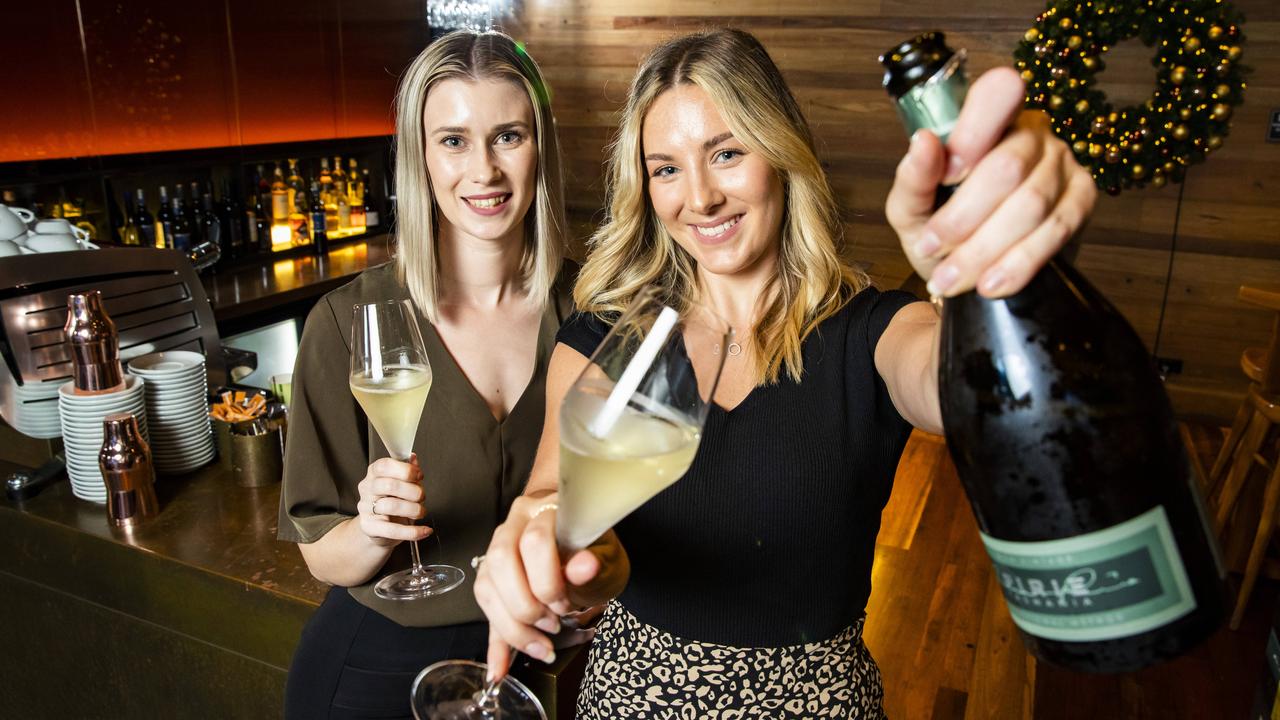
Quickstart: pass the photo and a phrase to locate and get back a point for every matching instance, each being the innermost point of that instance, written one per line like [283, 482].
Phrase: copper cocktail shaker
[125, 461]
[95, 347]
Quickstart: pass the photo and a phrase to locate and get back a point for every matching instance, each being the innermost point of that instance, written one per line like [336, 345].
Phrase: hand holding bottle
[1024, 195]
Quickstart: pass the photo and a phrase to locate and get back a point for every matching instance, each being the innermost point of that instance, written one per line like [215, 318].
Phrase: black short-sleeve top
[768, 540]
[473, 465]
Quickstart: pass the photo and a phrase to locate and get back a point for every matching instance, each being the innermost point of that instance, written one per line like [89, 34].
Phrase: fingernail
[928, 245]
[488, 675]
[943, 278]
[992, 281]
[955, 169]
[535, 650]
[548, 625]
[561, 607]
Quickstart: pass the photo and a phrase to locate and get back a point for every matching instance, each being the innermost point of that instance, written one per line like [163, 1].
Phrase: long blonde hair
[470, 55]
[632, 249]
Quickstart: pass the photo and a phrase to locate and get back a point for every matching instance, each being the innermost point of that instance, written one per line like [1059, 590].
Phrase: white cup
[57, 243]
[61, 226]
[13, 221]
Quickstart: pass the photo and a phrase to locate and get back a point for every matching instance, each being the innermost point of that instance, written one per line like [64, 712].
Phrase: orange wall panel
[379, 40]
[45, 112]
[287, 62]
[160, 75]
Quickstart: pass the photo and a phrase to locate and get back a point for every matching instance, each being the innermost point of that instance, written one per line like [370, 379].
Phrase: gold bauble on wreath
[1199, 82]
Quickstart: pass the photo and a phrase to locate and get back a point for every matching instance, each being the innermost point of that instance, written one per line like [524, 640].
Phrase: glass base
[429, 580]
[454, 690]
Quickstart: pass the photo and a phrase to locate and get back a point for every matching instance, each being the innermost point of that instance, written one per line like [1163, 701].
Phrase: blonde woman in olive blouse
[479, 221]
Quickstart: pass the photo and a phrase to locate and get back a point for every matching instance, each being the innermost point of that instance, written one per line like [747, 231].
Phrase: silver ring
[476, 561]
[374, 507]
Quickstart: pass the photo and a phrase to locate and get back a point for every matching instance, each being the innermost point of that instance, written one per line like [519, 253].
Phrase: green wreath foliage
[1199, 81]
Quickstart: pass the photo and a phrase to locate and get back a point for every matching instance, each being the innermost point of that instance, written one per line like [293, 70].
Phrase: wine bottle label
[1103, 585]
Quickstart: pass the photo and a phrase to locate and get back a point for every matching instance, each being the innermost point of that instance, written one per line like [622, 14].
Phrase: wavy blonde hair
[470, 55]
[632, 249]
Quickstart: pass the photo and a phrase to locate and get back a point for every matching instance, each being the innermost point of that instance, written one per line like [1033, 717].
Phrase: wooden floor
[947, 648]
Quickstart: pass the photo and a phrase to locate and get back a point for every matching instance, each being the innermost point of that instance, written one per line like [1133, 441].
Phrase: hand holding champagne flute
[390, 378]
[629, 427]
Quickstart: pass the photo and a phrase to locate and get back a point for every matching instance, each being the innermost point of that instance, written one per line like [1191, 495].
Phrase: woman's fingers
[1005, 207]
[542, 565]
[512, 606]
[511, 631]
[915, 185]
[498, 658]
[377, 526]
[1018, 264]
[993, 101]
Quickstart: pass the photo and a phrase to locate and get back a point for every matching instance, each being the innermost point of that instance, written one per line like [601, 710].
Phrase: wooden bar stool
[1251, 443]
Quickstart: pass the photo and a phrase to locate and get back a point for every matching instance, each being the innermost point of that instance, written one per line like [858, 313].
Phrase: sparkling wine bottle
[1065, 442]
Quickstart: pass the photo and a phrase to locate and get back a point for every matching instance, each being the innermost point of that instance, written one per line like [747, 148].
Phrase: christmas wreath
[1199, 80]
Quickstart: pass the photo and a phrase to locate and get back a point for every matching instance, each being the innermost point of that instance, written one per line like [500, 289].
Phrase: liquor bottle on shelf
[129, 234]
[164, 221]
[181, 236]
[357, 217]
[326, 180]
[263, 183]
[211, 229]
[295, 185]
[231, 223]
[195, 215]
[371, 219]
[319, 232]
[1066, 445]
[145, 222]
[344, 213]
[279, 199]
[298, 220]
[262, 225]
[339, 176]
[355, 185]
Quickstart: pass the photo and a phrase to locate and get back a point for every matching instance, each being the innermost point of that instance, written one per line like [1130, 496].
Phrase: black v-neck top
[768, 540]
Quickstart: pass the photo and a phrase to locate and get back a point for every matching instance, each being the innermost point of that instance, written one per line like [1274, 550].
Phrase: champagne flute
[390, 378]
[630, 426]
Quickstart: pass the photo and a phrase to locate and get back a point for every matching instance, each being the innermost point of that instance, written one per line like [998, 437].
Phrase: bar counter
[269, 289]
[194, 613]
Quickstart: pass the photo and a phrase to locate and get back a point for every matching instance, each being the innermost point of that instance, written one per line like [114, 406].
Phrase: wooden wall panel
[1229, 229]
[46, 109]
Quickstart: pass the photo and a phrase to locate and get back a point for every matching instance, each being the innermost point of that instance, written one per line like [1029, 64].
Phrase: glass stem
[417, 559]
[486, 700]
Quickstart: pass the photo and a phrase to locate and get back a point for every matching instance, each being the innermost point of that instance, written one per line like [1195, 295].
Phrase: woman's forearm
[345, 556]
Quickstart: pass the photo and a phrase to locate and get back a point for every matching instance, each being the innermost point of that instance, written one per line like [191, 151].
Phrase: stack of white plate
[37, 409]
[81, 420]
[177, 409]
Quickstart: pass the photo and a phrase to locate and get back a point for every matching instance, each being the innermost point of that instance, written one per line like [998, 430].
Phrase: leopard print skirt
[635, 670]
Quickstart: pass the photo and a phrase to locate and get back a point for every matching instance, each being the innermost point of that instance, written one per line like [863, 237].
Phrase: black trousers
[353, 662]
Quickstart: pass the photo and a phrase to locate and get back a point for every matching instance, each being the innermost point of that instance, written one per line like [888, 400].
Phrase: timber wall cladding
[1229, 226]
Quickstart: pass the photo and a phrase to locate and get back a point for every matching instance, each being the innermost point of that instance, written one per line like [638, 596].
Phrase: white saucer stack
[81, 422]
[177, 409]
[37, 412]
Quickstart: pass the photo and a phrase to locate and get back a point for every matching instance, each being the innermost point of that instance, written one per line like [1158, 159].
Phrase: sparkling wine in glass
[390, 378]
[629, 427]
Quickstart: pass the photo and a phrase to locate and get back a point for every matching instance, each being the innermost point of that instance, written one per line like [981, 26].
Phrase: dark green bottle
[1065, 442]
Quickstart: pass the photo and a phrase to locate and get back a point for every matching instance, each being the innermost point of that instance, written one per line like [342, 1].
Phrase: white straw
[374, 344]
[634, 373]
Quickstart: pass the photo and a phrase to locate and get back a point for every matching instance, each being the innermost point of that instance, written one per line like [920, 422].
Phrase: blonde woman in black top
[748, 579]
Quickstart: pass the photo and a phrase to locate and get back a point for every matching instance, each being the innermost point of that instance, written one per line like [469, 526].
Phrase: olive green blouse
[473, 465]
